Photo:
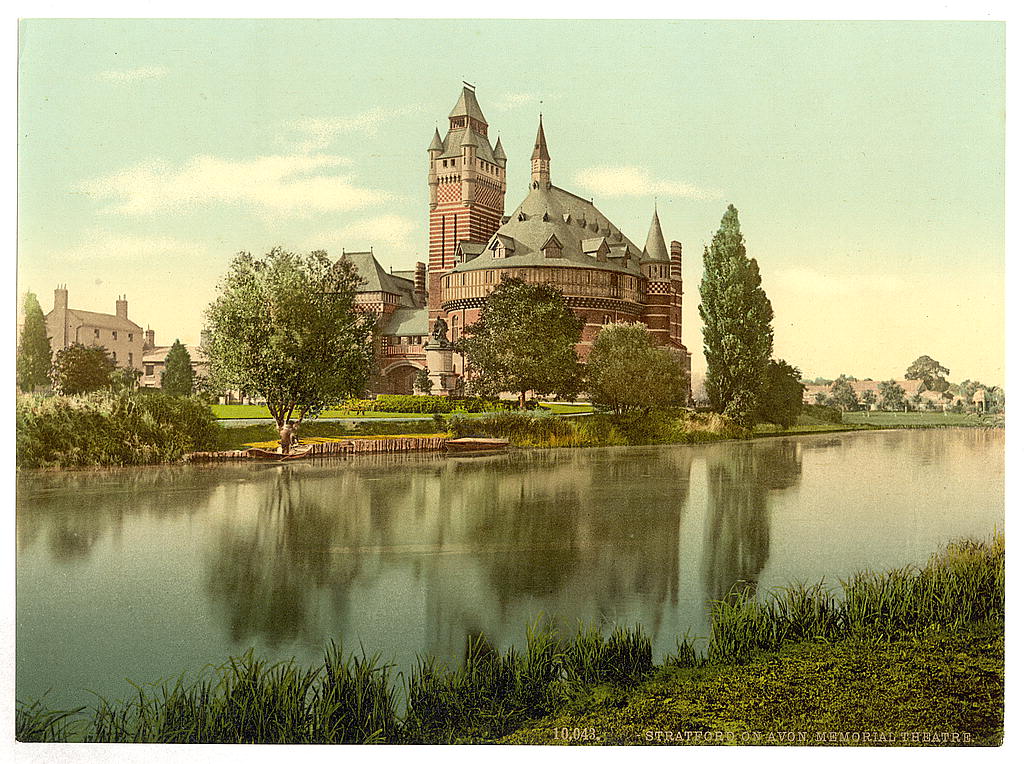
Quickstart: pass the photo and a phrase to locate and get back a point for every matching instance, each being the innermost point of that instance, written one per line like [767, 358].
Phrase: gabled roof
[467, 106]
[407, 322]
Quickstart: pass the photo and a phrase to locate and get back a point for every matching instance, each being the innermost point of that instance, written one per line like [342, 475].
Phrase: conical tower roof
[499, 152]
[540, 146]
[655, 248]
[467, 106]
[437, 144]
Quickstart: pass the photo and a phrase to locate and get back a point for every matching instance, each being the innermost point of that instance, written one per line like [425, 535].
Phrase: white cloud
[811, 282]
[97, 245]
[389, 232]
[125, 76]
[317, 133]
[515, 100]
[606, 181]
[279, 184]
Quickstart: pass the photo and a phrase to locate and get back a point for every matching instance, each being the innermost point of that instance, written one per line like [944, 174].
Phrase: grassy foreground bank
[915, 651]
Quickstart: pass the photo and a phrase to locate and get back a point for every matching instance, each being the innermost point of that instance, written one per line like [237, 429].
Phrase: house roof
[102, 320]
[407, 322]
[467, 106]
[655, 248]
[158, 354]
[376, 279]
[456, 139]
[551, 211]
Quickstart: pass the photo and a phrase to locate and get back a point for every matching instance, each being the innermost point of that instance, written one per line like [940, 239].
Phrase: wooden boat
[298, 452]
[465, 445]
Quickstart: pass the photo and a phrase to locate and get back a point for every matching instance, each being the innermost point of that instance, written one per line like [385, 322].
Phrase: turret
[540, 160]
[655, 248]
[434, 150]
[499, 153]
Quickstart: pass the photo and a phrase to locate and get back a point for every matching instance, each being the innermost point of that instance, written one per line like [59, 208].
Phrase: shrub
[824, 413]
[109, 429]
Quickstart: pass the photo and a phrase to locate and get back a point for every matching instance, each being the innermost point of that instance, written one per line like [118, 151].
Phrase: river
[143, 573]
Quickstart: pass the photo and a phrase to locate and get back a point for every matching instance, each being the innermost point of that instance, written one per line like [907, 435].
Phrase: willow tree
[284, 327]
[737, 320]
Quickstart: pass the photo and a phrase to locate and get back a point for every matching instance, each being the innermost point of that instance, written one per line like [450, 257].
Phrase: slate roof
[552, 211]
[467, 106]
[540, 145]
[158, 354]
[407, 322]
[376, 279]
[655, 248]
[455, 139]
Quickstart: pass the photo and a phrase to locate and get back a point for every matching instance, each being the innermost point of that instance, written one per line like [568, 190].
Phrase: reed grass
[354, 699]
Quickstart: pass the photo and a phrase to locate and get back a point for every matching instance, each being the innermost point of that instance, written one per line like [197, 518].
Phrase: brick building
[553, 236]
[122, 338]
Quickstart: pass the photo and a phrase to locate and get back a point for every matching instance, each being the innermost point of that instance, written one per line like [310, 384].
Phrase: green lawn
[921, 418]
[239, 411]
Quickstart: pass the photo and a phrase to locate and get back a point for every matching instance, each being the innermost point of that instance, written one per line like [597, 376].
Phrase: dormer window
[552, 247]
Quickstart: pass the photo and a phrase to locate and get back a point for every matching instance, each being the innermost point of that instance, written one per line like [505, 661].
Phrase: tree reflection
[738, 527]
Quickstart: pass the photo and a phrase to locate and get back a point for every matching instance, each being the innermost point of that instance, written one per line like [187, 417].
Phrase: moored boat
[298, 452]
[463, 445]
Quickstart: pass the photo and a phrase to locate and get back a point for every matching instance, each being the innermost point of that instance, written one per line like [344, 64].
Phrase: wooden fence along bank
[338, 448]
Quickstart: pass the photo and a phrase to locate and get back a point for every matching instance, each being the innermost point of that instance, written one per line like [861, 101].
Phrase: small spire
[540, 146]
[469, 139]
[499, 152]
[655, 248]
[436, 144]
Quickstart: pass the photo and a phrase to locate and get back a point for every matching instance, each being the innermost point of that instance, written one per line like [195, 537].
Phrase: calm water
[144, 573]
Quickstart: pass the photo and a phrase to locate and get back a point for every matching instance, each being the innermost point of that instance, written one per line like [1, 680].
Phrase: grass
[240, 411]
[265, 434]
[922, 419]
[901, 652]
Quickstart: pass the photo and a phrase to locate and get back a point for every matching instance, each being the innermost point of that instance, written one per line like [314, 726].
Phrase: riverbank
[899, 653]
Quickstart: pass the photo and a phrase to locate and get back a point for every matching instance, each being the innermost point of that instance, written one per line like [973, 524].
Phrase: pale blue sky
[866, 159]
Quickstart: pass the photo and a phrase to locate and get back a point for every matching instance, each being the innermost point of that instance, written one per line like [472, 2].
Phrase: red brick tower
[467, 190]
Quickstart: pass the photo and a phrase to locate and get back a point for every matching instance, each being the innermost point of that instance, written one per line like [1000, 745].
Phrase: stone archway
[398, 380]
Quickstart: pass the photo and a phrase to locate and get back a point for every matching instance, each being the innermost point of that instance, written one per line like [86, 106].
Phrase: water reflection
[415, 554]
[737, 535]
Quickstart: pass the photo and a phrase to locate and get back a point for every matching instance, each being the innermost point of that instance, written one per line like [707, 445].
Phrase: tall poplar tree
[737, 320]
[34, 357]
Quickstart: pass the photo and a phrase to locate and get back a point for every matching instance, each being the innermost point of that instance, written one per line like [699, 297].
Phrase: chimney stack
[420, 283]
[676, 270]
[150, 339]
[122, 307]
[60, 297]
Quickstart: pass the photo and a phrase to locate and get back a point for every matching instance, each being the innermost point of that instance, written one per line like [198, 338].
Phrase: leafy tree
[968, 388]
[525, 339]
[423, 383]
[783, 396]
[34, 355]
[868, 398]
[125, 379]
[179, 377]
[917, 399]
[626, 371]
[79, 369]
[820, 399]
[930, 372]
[995, 400]
[284, 327]
[843, 394]
[894, 397]
[737, 320]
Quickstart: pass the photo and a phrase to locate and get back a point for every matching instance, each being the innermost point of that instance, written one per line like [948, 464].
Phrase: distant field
[920, 418]
[239, 411]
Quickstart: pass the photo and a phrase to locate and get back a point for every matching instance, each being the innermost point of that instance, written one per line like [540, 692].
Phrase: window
[96, 333]
[130, 336]
[113, 335]
[149, 370]
[114, 356]
[130, 359]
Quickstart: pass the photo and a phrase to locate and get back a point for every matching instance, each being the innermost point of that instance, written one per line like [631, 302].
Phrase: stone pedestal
[439, 367]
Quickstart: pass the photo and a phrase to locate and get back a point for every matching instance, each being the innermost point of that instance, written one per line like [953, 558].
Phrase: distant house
[154, 361]
[979, 399]
[122, 338]
[911, 387]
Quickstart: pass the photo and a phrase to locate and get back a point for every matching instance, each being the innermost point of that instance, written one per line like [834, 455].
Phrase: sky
[866, 160]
